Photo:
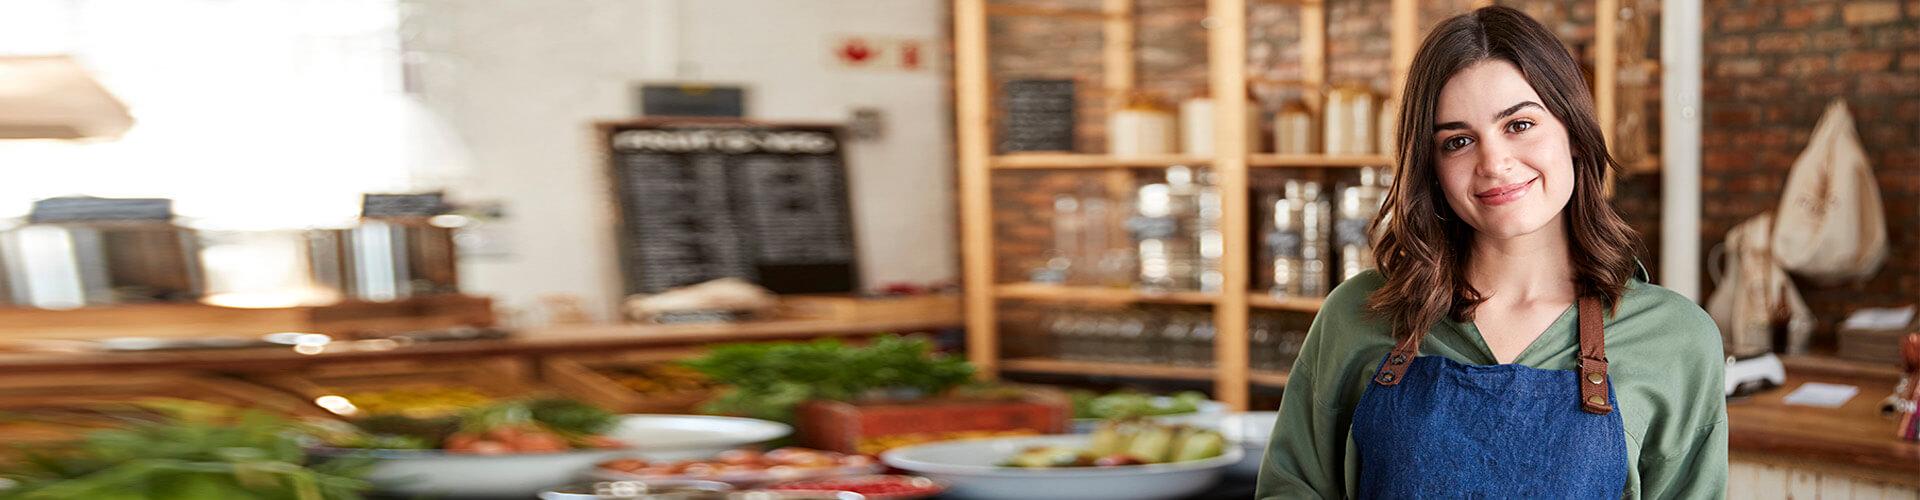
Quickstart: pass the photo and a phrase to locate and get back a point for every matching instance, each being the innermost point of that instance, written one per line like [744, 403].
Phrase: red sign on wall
[865, 52]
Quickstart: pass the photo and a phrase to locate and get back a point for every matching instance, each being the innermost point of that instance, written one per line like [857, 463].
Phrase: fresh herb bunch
[187, 450]
[574, 424]
[1127, 404]
[766, 380]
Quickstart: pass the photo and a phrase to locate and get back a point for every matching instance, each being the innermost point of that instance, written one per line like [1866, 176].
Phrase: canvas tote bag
[1752, 293]
[1830, 227]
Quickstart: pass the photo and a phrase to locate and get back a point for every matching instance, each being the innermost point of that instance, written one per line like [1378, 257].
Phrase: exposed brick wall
[1171, 62]
[1771, 68]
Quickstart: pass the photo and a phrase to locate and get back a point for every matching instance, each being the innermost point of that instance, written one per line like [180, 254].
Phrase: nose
[1496, 157]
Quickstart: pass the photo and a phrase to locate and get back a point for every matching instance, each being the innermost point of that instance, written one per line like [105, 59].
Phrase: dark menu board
[705, 200]
[1039, 116]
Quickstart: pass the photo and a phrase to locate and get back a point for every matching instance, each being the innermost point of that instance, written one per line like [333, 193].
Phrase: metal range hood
[52, 97]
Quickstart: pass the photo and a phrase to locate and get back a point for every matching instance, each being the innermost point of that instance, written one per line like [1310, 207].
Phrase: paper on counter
[1822, 395]
[1884, 318]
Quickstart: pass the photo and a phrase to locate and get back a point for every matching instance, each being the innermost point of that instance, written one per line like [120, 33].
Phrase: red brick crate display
[874, 427]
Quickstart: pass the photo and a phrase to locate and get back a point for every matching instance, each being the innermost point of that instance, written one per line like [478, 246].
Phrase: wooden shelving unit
[1060, 293]
[1099, 369]
[1071, 160]
[1322, 161]
[1263, 301]
[1232, 162]
[1268, 379]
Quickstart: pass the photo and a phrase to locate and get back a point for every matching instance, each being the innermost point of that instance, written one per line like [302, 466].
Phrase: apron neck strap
[1401, 358]
[1593, 357]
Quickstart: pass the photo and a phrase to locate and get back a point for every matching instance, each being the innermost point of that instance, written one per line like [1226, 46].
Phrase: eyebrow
[1496, 117]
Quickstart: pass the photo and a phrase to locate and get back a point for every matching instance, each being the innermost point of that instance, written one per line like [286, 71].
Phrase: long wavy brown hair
[1423, 247]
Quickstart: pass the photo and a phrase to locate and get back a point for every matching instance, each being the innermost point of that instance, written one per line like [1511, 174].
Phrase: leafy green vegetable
[192, 450]
[572, 417]
[567, 418]
[1133, 404]
[766, 380]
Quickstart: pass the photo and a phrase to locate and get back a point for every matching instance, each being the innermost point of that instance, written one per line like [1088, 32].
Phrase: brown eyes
[1460, 141]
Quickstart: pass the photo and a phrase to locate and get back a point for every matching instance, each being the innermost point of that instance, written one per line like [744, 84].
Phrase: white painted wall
[522, 81]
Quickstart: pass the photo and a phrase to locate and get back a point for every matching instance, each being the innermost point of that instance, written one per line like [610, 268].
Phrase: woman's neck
[1526, 269]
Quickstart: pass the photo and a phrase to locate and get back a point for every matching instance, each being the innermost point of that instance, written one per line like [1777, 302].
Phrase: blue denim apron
[1430, 427]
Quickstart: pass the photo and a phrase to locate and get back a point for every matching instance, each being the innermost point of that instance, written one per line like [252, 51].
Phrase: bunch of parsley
[766, 380]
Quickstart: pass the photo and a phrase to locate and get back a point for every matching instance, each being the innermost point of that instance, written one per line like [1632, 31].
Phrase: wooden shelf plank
[1265, 301]
[1050, 292]
[1055, 12]
[1267, 378]
[1322, 161]
[1103, 369]
[1075, 160]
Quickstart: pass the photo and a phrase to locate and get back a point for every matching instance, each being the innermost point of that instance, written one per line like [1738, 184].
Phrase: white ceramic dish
[968, 466]
[1203, 410]
[1252, 430]
[654, 437]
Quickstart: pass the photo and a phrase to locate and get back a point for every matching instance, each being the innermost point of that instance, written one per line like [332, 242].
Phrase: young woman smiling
[1509, 345]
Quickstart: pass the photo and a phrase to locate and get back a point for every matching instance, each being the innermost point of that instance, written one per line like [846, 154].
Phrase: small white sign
[1822, 395]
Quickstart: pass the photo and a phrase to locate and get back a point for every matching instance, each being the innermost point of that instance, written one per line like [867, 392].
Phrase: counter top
[1853, 439]
[856, 317]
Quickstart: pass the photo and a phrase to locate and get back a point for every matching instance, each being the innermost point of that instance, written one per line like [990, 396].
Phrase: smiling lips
[1505, 194]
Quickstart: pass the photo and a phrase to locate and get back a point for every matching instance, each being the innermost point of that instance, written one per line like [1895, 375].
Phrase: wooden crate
[52, 408]
[496, 378]
[841, 426]
[590, 379]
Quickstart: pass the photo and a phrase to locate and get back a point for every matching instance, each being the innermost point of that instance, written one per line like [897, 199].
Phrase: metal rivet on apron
[1597, 401]
[1596, 378]
[1398, 359]
[1386, 377]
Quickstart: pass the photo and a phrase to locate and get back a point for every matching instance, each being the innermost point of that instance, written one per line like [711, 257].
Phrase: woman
[1509, 345]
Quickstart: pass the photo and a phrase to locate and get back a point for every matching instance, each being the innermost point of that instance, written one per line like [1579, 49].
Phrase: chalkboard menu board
[1039, 116]
[91, 209]
[700, 200]
[378, 205]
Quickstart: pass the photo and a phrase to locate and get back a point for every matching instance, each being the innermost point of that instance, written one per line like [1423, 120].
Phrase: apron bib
[1430, 427]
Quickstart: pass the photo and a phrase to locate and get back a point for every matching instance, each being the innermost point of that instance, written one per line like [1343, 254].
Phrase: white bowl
[654, 437]
[1204, 410]
[1252, 430]
[969, 467]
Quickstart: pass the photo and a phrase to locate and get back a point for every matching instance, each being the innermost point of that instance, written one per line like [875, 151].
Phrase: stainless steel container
[77, 264]
[383, 259]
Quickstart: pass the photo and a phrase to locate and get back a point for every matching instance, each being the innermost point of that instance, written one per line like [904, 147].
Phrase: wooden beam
[1405, 41]
[1606, 71]
[1313, 47]
[1117, 51]
[975, 189]
[1227, 51]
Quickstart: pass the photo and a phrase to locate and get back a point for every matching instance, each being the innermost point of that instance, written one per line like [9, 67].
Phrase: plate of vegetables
[1089, 409]
[519, 447]
[876, 487]
[742, 467]
[1121, 461]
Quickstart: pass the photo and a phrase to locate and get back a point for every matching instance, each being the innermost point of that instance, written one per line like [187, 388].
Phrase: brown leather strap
[1398, 360]
[1593, 358]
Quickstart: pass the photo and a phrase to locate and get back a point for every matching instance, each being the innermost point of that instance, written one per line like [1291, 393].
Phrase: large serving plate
[654, 437]
[970, 468]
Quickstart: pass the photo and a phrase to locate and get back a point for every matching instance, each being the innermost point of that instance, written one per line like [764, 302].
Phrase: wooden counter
[857, 318]
[1853, 440]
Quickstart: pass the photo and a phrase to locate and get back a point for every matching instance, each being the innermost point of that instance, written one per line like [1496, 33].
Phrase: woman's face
[1502, 158]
